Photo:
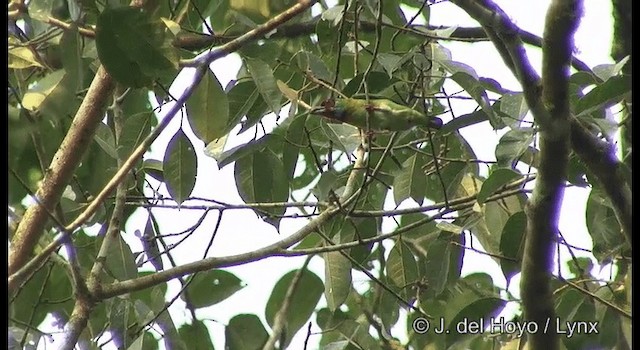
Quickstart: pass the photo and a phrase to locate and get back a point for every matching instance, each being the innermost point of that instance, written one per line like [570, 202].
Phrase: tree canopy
[88, 94]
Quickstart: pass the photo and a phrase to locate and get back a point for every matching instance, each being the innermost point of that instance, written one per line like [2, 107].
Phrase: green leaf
[241, 97]
[389, 62]
[480, 309]
[476, 90]
[255, 185]
[132, 47]
[120, 261]
[465, 120]
[153, 168]
[42, 89]
[603, 227]
[245, 331]
[307, 61]
[515, 107]
[211, 287]
[105, 139]
[344, 136]
[328, 182]
[402, 268]
[512, 145]
[606, 71]
[512, 243]
[337, 276]
[604, 95]
[196, 336]
[71, 46]
[376, 82]
[180, 167]
[138, 344]
[498, 178]
[227, 157]
[301, 305]
[135, 130]
[262, 75]
[443, 263]
[295, 139]
[208, 109]
[119, 312]
[410, 180]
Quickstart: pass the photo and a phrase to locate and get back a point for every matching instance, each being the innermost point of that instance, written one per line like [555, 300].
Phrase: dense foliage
[80, 119]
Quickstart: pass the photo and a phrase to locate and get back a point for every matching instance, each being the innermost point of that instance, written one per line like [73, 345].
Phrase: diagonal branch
[64, 163]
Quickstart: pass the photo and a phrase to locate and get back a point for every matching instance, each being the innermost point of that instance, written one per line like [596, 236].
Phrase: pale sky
[242, 231]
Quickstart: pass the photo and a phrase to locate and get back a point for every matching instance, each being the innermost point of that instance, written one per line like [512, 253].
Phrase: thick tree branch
[598, 156]
[543, 209]
[64, 163]
[550, 108]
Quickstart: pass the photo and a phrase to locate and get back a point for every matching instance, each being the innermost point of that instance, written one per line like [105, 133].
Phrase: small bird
[382, 114]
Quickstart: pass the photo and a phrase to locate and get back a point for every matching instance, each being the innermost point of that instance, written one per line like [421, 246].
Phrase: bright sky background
[241, 230]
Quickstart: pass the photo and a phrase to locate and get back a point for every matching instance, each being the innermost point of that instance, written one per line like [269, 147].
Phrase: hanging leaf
[262, 75]
[410, 180]
[512, 145]
[301, 305]
[515, 107]
[21, 57]
[497, 179]
[208, 109]
[402, 268]
[180, 167]
[512, 243]
[604, 95]
[120, 261]
[337, 276]
[255, 185]
[136, 128]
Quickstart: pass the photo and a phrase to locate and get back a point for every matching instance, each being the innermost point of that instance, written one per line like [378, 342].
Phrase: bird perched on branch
[382, 114]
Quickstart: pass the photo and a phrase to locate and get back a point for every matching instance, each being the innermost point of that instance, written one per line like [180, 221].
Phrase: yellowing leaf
[22, 57]
[35, 96]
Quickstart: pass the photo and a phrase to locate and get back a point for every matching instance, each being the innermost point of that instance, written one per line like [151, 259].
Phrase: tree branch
[64, 163]
[598, 156]
[140, 283]
[278, 248]
[550, 108]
